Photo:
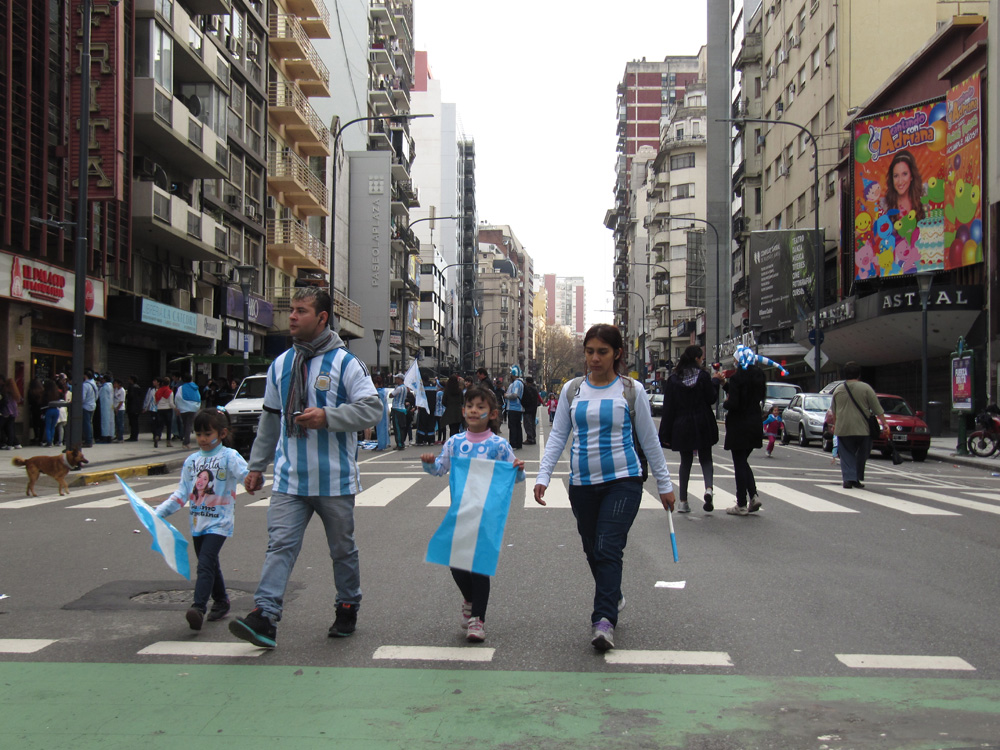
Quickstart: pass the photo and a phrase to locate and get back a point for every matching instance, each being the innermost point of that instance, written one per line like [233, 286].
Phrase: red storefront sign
[106, 149]
[28, 280]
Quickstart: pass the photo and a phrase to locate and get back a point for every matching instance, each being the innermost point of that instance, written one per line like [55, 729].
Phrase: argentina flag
[469, 538]
[167, 540]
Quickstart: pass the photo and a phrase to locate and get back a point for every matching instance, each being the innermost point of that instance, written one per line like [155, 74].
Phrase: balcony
[660, 300]
[661, 333]
[210, 7]
[165, 125]
[167, 221]
[661, 239]
[661, 210]
[289, 109]
[195, 60]
[314, 16]
[289, 43]
[381, 57]
[290, 247]
[686, 141]
[346, 308]
[381, 98]
[378, 136]
[289, 176]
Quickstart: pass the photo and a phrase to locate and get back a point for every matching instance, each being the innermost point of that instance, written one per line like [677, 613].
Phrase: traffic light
[783, 371]
[746, 325]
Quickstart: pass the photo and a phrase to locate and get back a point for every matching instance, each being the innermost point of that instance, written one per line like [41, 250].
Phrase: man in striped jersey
[317, 397]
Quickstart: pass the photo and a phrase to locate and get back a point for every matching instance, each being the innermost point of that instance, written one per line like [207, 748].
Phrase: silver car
[804, 417]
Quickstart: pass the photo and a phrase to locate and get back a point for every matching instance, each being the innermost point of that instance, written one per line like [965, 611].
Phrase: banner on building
[963, 213]
[906, 185]
[28, 280]
[782, 277]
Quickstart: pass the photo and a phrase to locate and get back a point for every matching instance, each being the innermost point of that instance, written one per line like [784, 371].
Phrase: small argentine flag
[412, 381]
[167, 540]
[470, 536]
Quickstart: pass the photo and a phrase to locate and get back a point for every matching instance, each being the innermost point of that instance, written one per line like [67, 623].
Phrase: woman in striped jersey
[606, 475]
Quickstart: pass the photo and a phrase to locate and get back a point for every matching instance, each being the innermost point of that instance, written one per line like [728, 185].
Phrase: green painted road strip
[51, 706]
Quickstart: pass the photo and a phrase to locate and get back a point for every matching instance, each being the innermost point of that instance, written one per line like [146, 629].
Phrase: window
[791, 91]
[789, 153]
[756, 87]
[815, 60]
[831, 40]
[803, 142]
[802, 79]
[790, 216]
[758, 140]
[679, 252]
[681, 161]
[163, 58]
[254, 123]
[831, 184]
[830, 112]
[802, 19]
[758, 200]
[694, 101]
[679, 134]
[695, 128]
[682, 191]
[767, 177]
[802, 205]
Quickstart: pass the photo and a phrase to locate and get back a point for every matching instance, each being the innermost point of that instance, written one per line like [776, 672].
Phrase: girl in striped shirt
[605, 482]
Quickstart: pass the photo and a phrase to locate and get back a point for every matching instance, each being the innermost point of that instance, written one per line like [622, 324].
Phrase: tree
[561, 355]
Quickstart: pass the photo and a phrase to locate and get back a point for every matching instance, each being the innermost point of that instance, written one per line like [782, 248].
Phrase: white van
[244, 412]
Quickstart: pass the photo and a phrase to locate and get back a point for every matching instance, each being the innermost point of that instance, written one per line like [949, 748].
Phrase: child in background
[552, 403]
[209, 479]
[772, 428]
[482, 415]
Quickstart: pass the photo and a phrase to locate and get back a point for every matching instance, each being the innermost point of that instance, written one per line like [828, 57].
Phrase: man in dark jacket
[133, 407]
[529, 400]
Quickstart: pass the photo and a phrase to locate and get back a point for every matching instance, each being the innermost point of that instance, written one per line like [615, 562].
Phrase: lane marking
[961, 502]
[556, 496]
[442, 500]
[434, 653]
[893, 503]
[721, 498]
[201, 648]
[23, 645]
[383, 493]
[801, 499]
[115, 500]
[984, 495]
[900, 661]
[666, 658]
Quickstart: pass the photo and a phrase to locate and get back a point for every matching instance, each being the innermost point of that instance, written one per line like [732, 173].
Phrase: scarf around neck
[304, 351]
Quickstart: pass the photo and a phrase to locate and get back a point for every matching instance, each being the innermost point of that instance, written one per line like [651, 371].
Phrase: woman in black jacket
[745, 391]
[688, 423]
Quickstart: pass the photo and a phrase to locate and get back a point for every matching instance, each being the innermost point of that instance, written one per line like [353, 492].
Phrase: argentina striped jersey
[323, 462]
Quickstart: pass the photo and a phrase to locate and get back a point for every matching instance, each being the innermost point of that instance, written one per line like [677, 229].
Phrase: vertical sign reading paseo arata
[106, 139]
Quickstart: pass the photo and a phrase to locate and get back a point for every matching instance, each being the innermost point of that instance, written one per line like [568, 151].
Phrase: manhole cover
[177, 596]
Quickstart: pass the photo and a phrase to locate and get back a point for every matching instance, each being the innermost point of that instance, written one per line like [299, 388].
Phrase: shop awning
[220, 359]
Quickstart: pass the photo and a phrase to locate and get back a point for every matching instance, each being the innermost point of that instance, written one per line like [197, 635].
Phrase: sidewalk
[127, 459]
[944, 449]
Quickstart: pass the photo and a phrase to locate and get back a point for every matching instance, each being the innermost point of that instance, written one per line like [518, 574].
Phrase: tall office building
[509, 246]
[468, 327]
[566, 302]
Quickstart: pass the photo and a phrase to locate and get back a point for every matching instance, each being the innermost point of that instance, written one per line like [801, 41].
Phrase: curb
[125, 472]
[975, 463]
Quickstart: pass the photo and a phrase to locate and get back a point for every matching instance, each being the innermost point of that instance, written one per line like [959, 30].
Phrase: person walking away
[688, 423]
[426, 421]
[382, 428]
[89, 392]
[187, 401]
[530, 403]
[118, 402]
[745, 392]
[164, 400]
[442, 428]
[481, 413]
[134, 400]
[398, 397]
[53, 400]
[105, 404]
[454, 401]
[606, 473]
[317, 397]
[515, 411]
[552, 403]
[208, 483]
[63, 419]
[773, 425]
[8, 414]
[852, 404]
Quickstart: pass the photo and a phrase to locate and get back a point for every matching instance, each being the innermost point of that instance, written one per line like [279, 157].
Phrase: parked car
[908, 432]
[804, 417]
[779, 394]
[656, 403]
[244, 412]
[828, 388]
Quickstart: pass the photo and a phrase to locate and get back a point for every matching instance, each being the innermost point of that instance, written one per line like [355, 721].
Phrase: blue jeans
[209, 581]
[287, 518]
[119, 425]
[853, 451]
[51, 418]
[604, 514]
[88, 427]
[399, 426]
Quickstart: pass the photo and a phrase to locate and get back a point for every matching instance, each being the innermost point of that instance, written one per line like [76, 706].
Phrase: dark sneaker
[256, 629]
[195, 617]
[755, 504]
[602, 635]
[218, 610]
[346, 622]
[709, 506]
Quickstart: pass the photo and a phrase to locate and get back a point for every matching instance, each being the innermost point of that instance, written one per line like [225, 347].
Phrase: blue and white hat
[745, 357]
[515, 371]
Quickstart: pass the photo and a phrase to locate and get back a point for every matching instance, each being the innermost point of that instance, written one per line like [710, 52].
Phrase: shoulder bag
[874, 428]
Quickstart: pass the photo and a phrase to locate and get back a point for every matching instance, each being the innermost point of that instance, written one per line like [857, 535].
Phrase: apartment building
[502, 237]
[497, 300]
[566, 301]
[468, 330]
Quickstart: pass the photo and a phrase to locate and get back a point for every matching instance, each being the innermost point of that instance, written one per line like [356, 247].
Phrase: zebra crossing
[929, 497]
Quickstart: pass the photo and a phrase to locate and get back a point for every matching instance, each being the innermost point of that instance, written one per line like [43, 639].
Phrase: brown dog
[56, 467]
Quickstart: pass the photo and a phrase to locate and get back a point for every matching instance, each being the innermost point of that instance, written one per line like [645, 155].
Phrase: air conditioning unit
[181, 298]
[791, 88]
[761, 140]
[830, 190]
[233, 201]
[782, 170]
[793, 41]
[782, 56]
[770, 71]
[779, 106]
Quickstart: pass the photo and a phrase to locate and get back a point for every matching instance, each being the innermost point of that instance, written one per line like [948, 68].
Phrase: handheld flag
[470, 536]
[167, 540]
[412, 381]
[673, 538]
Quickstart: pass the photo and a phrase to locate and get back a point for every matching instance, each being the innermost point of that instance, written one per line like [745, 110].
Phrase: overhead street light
[924, 280]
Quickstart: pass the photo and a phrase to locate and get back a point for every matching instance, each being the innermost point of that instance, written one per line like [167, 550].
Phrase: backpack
[574, 390]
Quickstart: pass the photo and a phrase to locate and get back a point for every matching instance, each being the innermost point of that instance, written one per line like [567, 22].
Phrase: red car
[907, 429]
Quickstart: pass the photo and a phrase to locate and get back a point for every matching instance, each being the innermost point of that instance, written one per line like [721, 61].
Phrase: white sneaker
[466, 614]
[754, 504]
[683, 507]
[736, 510]
[477, 631]
[602, 635]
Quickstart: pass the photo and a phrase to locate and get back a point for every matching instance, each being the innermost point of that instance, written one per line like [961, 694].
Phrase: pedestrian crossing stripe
[383, 493]
[23, 645]
[669, 658]
[801, 499]
[434, 653]
[201, 648]
[899, 661]
[960, 502]
[156, 493]
[905, 506]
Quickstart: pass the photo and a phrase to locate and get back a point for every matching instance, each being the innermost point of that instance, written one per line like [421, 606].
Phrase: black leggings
[475, 587]
[707, 470]
[746, 485]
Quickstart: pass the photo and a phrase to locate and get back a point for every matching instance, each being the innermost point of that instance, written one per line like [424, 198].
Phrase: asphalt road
[833, 618]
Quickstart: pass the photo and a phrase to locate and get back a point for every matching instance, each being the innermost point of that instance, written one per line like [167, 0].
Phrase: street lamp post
[924, 281]
[245, 276]
[642, 337]
[718, 273]
[377, 333]
[817, 244]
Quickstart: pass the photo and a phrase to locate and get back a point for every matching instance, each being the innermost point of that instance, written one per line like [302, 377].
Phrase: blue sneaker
[255, 628]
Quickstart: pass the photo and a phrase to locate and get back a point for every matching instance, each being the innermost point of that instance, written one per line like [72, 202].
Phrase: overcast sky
[535, 84]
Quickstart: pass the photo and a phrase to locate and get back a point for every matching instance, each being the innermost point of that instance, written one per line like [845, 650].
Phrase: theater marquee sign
[27, 280]
[106, 139]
